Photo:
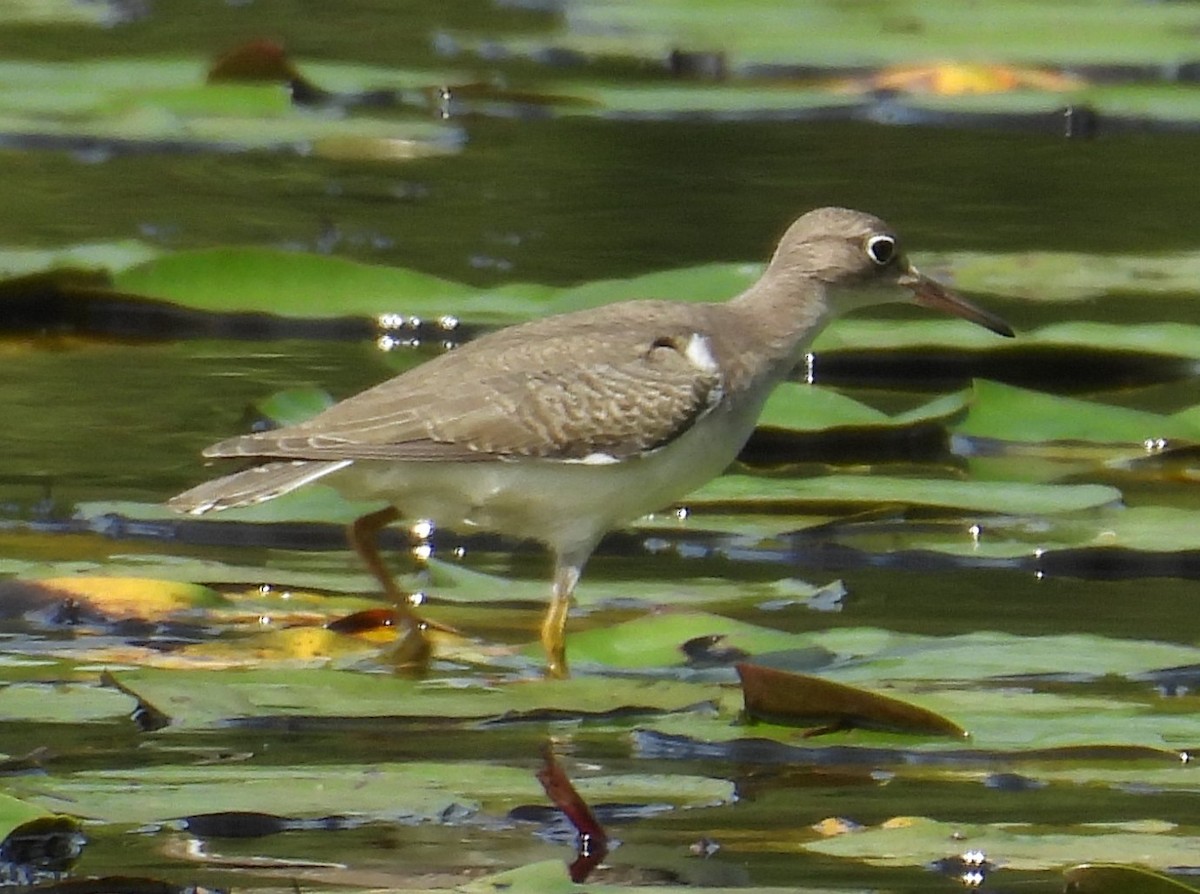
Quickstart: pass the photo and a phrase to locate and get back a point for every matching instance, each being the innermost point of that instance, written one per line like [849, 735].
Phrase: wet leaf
[872, 490]
[782, 697]
[202, 698]
[290, 646]
[1074, 277]
[15, 812]
[406, 792]
[957, 79]
[126, 597]
[1008, 413]
[810, 408]
[764, 33]
[658, 640]
[294, 405]
[707, 282]
[1112, 878]
[546, 877]
[59, 12]
[158, 102]
[92, 256]
[75, 703]
[918, 841]
[298, 284]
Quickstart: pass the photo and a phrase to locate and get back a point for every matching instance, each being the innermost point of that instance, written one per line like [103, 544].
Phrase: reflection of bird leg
[363, 535]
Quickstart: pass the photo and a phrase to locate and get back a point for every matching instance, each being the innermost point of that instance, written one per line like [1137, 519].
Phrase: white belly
[566, 505]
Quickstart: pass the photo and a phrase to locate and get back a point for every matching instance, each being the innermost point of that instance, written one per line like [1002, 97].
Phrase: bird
[563, 428]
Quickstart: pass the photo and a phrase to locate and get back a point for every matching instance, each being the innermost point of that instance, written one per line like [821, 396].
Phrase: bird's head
[858, 260]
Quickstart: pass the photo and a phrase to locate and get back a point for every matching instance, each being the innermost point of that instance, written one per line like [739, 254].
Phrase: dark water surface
[563, 200]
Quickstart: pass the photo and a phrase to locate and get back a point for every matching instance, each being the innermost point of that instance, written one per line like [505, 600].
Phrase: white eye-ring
[881, 249]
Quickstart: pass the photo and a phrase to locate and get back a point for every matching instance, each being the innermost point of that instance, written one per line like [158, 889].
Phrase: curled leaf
[1112, 878]
[783, 697]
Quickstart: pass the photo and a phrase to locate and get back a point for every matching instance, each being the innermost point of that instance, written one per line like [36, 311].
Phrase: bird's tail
[254, 485]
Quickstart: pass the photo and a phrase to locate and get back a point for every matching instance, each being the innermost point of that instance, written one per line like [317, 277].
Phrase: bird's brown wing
[571, 387]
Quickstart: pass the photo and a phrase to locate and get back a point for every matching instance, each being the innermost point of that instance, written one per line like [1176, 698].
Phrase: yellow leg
[554, 625]
[363, 535]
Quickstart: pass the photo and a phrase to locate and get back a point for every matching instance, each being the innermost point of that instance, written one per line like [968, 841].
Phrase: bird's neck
[774, 321]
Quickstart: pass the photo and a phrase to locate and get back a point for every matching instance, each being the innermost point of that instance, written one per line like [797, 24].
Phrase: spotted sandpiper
[565, 427]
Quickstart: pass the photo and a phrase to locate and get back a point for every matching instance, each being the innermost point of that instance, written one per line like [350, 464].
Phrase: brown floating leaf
[256, 60]
[1112, 878]
[367, 621]
[593, 840]
[266, 61]
[798, 699]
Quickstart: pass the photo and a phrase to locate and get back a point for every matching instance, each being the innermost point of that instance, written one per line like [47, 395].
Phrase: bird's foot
[412, 647]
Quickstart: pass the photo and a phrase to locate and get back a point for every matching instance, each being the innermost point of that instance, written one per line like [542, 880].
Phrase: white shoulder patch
[699, 352]
[595, 459]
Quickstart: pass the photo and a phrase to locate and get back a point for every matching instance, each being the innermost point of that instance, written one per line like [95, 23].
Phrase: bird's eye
[881, 249]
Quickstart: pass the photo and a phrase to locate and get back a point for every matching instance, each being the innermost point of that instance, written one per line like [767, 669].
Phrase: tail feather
[254, 485]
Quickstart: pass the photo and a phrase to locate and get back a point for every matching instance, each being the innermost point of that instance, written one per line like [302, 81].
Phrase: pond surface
[1061, 631]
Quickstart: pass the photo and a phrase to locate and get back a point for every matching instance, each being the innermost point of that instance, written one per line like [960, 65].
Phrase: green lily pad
[990, 497]
[157, 100]
[656, 640]
[294, 405]
[412, 791]
[110, 256]
[62, 703]
[1071, 276]
[808, 408]
[201, 698]
[1008, 413]
[287, 283]
[14, 812]
[1113, 878]
[916, 841]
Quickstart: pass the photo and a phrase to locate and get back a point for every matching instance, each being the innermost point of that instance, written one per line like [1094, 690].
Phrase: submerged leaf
[294, 405]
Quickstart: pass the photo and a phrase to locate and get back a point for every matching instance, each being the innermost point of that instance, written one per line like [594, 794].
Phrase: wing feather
[616, 381]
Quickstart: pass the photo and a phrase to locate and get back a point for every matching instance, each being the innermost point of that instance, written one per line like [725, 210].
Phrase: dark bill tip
[932, 294]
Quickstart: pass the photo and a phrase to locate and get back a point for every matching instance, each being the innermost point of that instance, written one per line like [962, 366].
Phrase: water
[562, 200]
